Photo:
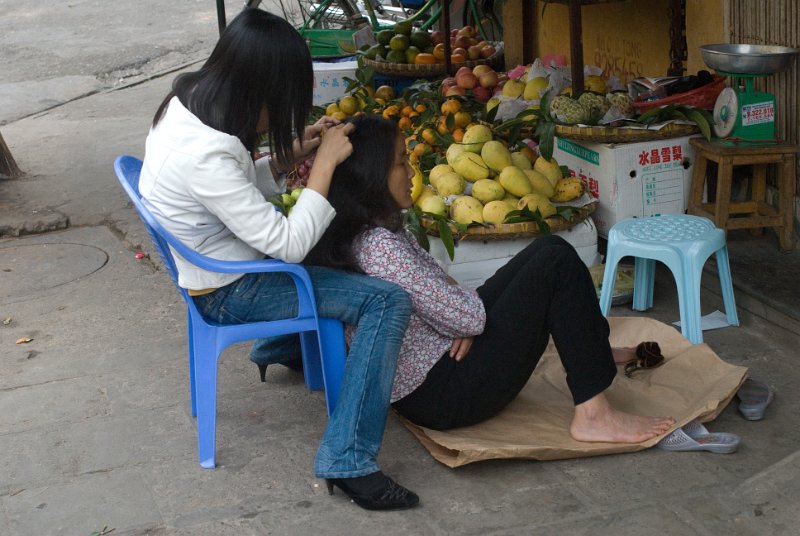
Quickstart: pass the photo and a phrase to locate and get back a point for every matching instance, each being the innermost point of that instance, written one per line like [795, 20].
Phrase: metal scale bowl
[741, 114]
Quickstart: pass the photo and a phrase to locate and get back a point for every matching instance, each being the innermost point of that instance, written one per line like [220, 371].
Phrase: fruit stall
[502, 157]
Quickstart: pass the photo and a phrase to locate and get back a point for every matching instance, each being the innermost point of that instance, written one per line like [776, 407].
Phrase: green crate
[329, 43]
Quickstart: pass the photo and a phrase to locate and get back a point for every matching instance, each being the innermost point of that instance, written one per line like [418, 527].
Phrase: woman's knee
[387, 295]
[550, 246]
[553, 240]
[398, 299]
[543, 243]
[555, 258]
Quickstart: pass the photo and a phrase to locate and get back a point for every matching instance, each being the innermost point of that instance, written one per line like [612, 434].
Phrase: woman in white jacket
[200, 180]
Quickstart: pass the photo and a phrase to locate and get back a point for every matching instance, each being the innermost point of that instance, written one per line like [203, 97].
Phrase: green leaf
[525, 215]
[365, 74]
[700, 119]
[708, 115]
[447, 238]
[424, 242]
[514, 133]
[460, 227]
[650, 115]
[351, 84]
[678, 113]
[492, 114]
[444, 139]
[545, 130]
[429, 160]
[414, 226]
[544, 107]
[567, 212]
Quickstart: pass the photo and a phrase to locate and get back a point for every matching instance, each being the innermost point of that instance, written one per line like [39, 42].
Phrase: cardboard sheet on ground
[693, 383]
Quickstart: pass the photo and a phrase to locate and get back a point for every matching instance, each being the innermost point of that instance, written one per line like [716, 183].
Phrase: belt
[200, 292]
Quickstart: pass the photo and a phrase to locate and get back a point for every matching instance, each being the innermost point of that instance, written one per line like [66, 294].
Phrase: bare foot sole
[613, 426]
[623, 355]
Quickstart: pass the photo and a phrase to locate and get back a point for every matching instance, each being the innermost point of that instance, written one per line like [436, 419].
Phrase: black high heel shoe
[294, 364]
[375, 491]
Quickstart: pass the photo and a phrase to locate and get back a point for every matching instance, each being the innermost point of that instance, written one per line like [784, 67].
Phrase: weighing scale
[741, 114]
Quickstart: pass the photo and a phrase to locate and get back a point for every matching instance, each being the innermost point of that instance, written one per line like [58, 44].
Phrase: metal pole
[576, 46]
[446, 22]
[221, 15]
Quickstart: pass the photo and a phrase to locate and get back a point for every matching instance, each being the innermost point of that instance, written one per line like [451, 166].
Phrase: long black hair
[360, 193]
[259, 61]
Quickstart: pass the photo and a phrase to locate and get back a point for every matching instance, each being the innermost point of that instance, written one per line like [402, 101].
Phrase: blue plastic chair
[683, 243]
[322, 339]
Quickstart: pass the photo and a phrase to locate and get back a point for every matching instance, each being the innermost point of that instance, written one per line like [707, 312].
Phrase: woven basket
[406, 69]
[624, 134]
[511, 231]
[432, 70]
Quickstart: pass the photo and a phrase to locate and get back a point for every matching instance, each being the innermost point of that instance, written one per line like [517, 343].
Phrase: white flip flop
[754, 397]
[695, 436]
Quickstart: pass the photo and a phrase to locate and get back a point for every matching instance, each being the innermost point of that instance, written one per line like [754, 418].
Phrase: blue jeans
[381, 310]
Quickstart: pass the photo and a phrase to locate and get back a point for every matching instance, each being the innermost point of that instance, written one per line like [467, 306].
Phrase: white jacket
[202, 186]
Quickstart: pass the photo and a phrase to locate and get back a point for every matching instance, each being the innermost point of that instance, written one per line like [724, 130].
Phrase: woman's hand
[312, 136]
[460, 347]
[334, 148]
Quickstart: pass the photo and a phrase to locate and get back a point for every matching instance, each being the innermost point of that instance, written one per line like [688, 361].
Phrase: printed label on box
[584, 153]
[630, 180]
[329, 80]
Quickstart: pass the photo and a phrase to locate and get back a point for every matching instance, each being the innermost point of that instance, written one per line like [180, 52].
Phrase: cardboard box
[329, 83]
[631, 179]
[475, 261]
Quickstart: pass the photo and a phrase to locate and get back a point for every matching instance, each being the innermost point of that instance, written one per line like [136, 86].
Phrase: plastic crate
[701, 97]
[329, 43]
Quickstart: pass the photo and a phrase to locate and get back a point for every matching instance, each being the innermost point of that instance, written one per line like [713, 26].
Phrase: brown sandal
[648, 355]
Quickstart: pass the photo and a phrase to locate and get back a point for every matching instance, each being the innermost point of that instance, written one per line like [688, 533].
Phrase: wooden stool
[756, 212]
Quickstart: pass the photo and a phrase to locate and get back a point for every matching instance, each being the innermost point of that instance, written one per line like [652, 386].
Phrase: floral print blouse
[441, 311]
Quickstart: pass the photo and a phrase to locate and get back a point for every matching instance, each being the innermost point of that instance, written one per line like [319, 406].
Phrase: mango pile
[463, 170]
[484, 181]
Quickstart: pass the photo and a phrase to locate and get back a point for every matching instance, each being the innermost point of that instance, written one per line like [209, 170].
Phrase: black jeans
[544, 290]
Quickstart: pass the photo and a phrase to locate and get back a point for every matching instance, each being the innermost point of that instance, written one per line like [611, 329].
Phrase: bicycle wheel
[315, 14]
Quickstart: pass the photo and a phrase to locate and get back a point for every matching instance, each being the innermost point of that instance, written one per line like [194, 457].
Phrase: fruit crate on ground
[631, 179]
[475, 261]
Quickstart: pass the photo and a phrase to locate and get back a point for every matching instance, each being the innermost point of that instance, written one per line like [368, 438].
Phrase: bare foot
[596, 421]
[623, 355]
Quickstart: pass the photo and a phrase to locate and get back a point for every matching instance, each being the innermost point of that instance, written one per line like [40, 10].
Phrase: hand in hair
[312, 137]
[334, 149]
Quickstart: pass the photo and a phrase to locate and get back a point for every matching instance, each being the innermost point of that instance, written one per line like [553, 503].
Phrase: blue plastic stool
[683, 243]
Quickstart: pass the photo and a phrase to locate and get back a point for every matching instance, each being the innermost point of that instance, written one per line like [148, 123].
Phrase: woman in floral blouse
[468, 353]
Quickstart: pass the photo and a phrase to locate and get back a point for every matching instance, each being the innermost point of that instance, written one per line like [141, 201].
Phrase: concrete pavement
[95, 430]
[95, 427]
